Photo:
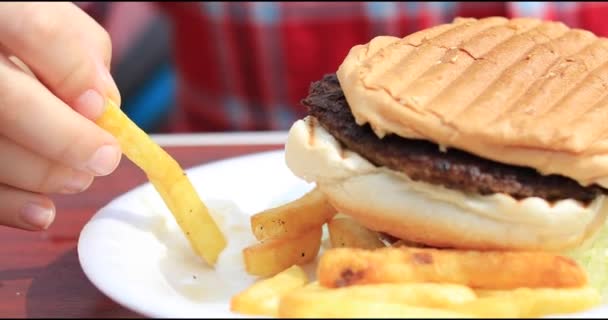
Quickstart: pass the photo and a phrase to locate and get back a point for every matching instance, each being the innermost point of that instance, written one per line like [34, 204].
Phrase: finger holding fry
[476, 269]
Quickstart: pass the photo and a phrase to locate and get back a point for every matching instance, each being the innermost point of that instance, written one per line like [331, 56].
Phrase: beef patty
[423, 161]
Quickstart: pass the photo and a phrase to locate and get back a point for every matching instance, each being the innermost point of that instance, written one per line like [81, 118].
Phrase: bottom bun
[388, 201]
[409, 216]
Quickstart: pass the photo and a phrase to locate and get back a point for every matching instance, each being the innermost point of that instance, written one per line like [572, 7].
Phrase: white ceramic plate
[133, 251]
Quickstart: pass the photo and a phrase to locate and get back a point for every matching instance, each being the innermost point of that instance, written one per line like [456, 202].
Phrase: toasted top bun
[521, 91]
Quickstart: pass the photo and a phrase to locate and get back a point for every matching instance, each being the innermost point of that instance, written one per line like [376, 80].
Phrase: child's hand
[48, 144]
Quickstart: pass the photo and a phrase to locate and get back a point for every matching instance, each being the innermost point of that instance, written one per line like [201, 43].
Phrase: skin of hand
[54, 82]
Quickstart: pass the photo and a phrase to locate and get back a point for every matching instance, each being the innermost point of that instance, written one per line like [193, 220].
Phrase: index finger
[65, 48]
[34, 118]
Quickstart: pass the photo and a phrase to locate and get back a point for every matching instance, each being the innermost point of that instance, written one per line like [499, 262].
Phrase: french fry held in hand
[529, 302]
[382, 301]
[345, 232]
[277, 254]
[170, 181]
[476, 269]
[262, 298]
[295, 217]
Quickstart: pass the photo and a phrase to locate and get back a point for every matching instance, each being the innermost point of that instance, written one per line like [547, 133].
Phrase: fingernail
[111, 85]
[104, 160]
[90, 104]
[78, 182]
[111, 90]
[37, 216]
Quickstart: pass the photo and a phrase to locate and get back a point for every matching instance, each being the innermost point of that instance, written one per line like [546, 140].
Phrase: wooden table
[40, 275]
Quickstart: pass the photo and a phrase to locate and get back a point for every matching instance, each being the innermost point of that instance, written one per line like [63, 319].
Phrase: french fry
[295, 217]
[360, 302]
[170, 181]
[275, 255]
[530, 303]
[476, 269]
[430, 295]
[262, 298]
[348, 233]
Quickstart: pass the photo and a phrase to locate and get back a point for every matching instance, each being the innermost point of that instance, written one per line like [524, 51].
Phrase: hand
[54, 80]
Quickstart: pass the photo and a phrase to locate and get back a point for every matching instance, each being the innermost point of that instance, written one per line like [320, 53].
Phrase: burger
[477, 134]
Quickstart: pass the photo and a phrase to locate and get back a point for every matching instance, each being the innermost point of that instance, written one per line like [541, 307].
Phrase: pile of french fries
[288, 235]
[363, 276]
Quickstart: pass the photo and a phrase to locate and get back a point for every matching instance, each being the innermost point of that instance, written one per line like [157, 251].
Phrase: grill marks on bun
[521, 91]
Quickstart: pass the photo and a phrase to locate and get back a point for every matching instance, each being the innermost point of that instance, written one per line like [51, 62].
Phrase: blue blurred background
[142, 59]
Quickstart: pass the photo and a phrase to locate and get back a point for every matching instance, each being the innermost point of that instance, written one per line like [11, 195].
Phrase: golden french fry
[309, 211]
[430, 295]
[348, 233]
[477, 269]
[530, 303]
[170, 181]
[491, 308]
[262, 298]
[275, 255]
[359, 302]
